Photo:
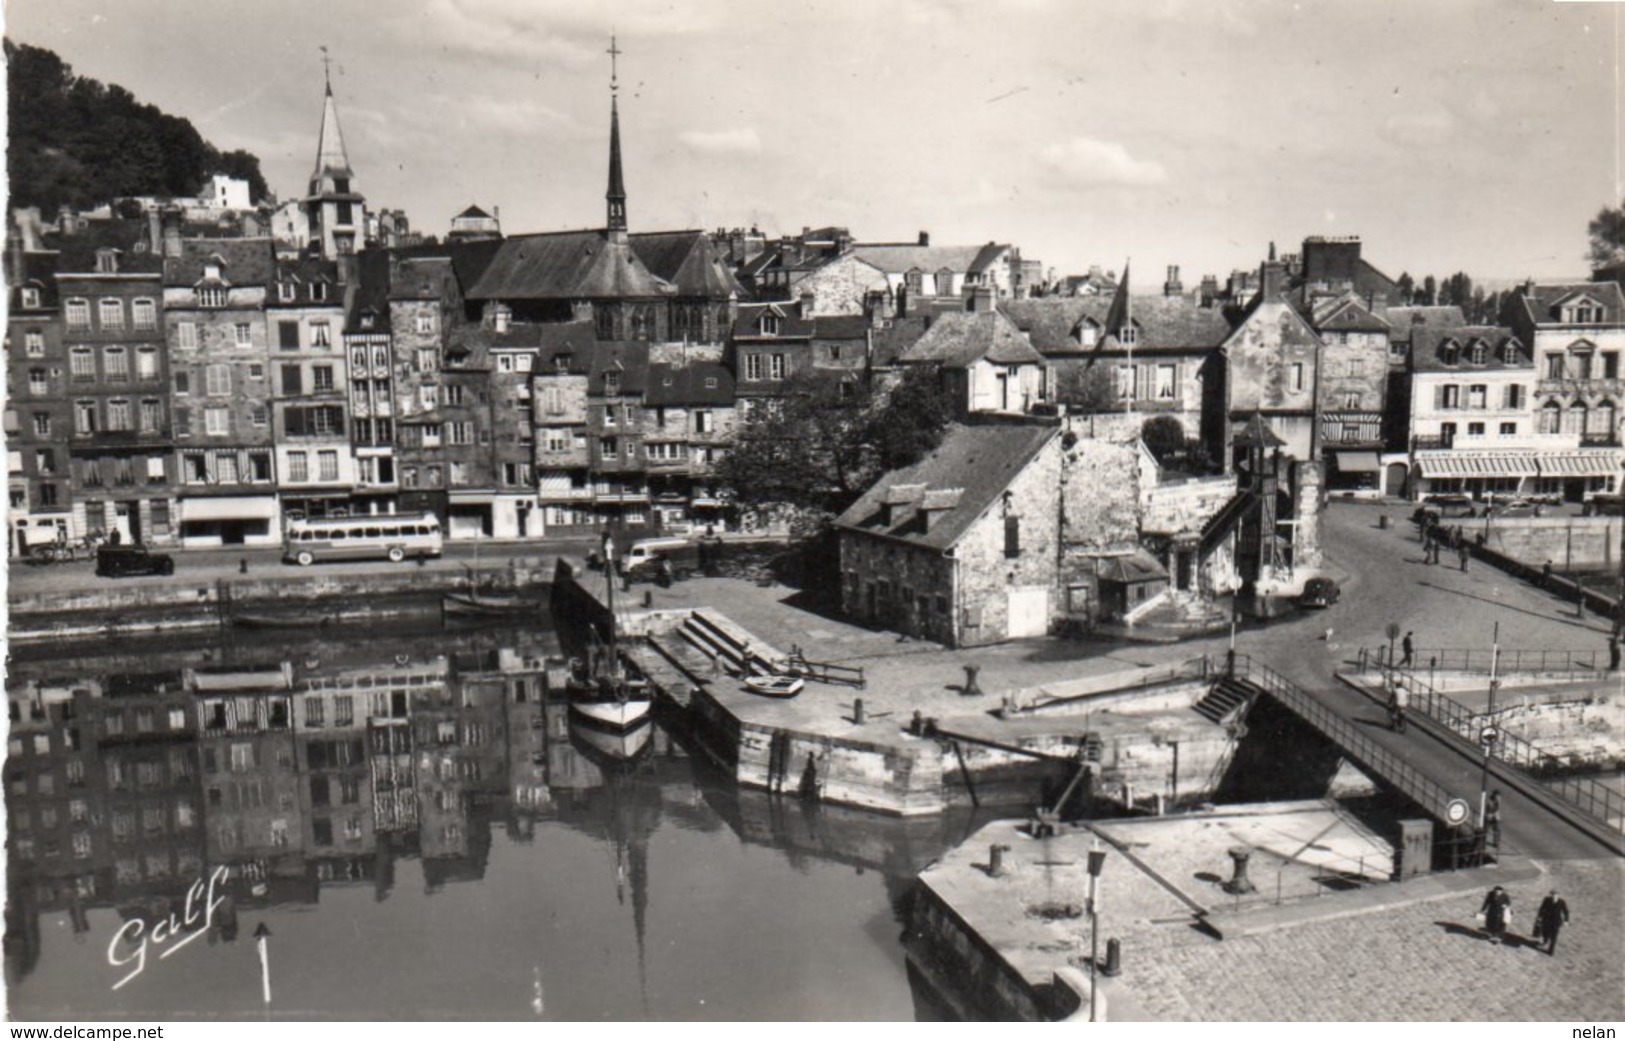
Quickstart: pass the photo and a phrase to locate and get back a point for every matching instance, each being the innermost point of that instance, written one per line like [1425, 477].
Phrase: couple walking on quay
[1553, 914]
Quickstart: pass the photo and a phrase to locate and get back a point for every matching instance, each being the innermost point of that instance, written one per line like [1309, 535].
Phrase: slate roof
[630, 358]
[1404, 321]
[371, 293]
[1257, 431]
[1174, 324]
[895, 337]
[1428, 348]
[900, 258]
[688, 261]
[576, 340]
[1344, 313]
[469, 259]
[1541, 304]
[567, 265]
[791, 325]
[979, 461]
[688, 385]
[38, 269]
[130, 236]
[419, 277]
[473, 211]
[246, 262]
[840, 327]
[962, 338]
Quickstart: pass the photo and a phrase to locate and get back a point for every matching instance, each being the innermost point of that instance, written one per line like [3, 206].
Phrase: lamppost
[1487, 733]
[1393, 634]
[1097, 860]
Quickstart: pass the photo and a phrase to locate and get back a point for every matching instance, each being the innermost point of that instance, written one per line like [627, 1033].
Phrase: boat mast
[609, 572]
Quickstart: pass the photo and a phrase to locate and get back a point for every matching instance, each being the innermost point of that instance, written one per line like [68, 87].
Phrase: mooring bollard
[971, 687]
[1239, 882]
[648, 598]
[916, 726]
[242, 566]
[857, 711]
[1114, 958]
[995, 860]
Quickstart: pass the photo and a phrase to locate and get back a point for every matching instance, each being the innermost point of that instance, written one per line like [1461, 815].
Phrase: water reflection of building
[335, 788]
[245, 721]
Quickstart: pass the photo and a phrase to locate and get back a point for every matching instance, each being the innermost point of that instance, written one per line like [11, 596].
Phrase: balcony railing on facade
[1610, 385]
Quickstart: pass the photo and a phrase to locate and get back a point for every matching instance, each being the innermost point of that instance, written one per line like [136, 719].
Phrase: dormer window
[211, 296]
[107, 261]
[1509, 351]
[1087, 334]
[211, 271]
[1128, 335]
[768, 325]
[612, 383]
[318, 291]
[1582, 311]
[500, 317]
[1480, 352]
[561, 363]
[1450, 352]
[368, 319]
[284, 292]
[30, 297]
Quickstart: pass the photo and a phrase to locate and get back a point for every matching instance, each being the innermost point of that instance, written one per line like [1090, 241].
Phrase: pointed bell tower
[615, 197]
[334, 210]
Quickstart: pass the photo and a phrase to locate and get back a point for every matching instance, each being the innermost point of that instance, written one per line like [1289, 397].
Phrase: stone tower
[335, 211]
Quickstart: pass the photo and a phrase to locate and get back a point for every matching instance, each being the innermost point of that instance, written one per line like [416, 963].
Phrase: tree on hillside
[1607, 233]
[1430, 291]
[1407, 288]
[77, 142]
[816, 447]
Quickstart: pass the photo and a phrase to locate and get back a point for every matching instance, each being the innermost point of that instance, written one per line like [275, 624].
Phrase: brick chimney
[925, 238]
[807, 303]
[1272, 277]
[1172, 287]
[1210, 290]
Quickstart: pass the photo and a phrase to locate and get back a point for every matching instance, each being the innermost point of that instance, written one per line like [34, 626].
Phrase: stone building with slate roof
[38, 410]
[310, 389]
[985, 361]
[215, 293]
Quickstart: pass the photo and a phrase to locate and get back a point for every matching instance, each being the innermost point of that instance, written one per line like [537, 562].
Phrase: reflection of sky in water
[749, 907]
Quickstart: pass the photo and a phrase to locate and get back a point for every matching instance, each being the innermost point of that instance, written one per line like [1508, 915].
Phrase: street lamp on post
[1393, 634]
[1097, 860]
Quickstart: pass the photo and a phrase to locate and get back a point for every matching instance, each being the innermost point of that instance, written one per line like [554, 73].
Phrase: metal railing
[1477, 660]
[1346, 735]
[1584, 793]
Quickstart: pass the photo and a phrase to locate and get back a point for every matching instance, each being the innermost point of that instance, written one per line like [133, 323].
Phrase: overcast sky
[1479, 136]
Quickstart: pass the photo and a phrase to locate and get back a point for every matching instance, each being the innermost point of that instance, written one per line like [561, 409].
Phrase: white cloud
[1086, 162]
[743, 141]
[542, 32]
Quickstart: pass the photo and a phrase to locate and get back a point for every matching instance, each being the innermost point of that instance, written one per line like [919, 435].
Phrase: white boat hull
[625, 744]
[616, 715]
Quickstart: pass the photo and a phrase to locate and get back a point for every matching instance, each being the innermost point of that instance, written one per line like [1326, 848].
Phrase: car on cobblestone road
[118, 561]
[1319, 592]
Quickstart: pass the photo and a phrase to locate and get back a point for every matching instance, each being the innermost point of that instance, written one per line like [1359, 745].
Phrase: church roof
[688, 261]
[569, 265]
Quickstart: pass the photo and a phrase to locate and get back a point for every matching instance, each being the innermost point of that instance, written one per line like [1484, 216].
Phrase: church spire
[616, 195]
[331, 159]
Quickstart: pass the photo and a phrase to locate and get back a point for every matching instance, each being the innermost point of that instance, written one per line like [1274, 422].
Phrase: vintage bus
[389, 536]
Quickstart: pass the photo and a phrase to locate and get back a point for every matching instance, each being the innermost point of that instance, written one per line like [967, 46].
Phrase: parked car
[1605, 505]
[1513, 508]
[1451, 505]
[643, 558]
[118, 561]
[1319, 592]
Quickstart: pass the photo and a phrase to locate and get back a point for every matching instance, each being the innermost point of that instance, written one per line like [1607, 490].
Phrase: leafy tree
[1088, 386]
[1407, 288]
[1607, 233]
[80, 143]
[820, 443]
[1164, 437]
[1430, 291]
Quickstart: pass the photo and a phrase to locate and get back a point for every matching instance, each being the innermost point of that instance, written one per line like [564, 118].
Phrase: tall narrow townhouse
[38, 414]
[369, 355]
[215, 293]
[563, 458]
[121, 442]
[688, 418]
[620, 473]
[304, 320]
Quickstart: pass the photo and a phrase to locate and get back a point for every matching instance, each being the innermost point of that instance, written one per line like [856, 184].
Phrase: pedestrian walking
[1409, 649]
[1495, 911]
[1613, 654]
[1549, 921]
[1546, 575]
[1462, 551]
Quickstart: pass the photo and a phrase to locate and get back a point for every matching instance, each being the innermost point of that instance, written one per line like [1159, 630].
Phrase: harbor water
[457, 848]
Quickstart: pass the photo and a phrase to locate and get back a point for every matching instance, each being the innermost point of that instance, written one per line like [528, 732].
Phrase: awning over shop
[1358, 462]
[472, 498]
[1476, 464]
[1138, 566]
[1604, 462]
[228, 507]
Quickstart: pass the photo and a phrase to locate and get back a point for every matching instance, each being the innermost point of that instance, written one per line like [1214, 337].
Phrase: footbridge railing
[1570, 664]
[1355, 744]
[1584, 792]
